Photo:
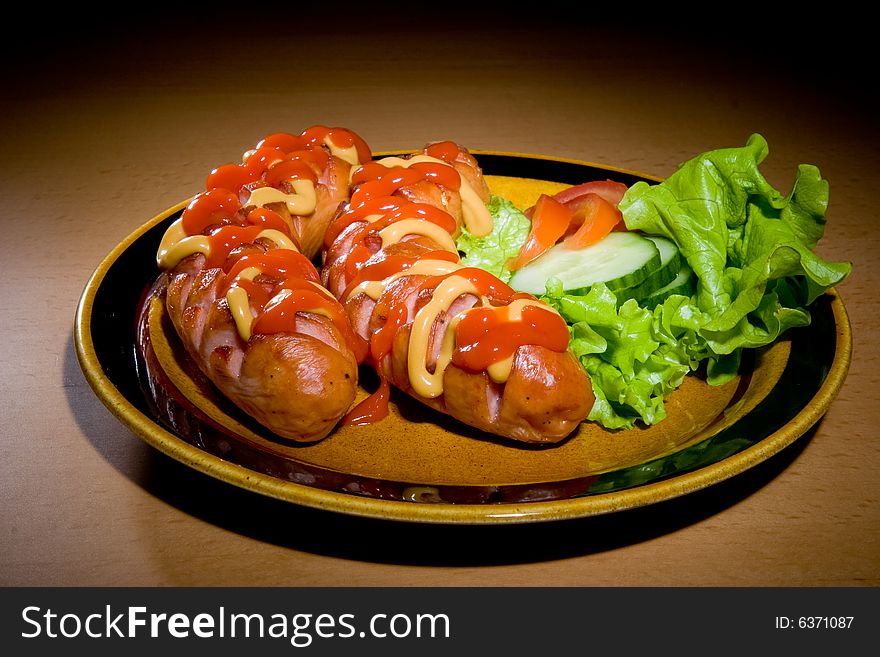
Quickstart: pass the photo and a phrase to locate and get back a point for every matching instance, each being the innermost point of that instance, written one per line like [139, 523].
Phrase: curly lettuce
[752, 251]
[510, 228]
[750, 247]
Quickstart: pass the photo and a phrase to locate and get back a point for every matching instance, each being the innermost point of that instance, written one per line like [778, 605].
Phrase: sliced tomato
[610, 190]
[596, 218]
[550, 221]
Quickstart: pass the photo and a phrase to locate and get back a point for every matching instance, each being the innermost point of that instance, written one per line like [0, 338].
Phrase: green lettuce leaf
[635, 356]
[510, 228]
[744, 240]
[751, 248]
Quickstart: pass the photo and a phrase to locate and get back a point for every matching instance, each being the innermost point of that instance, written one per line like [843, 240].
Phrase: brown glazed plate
[419, 466]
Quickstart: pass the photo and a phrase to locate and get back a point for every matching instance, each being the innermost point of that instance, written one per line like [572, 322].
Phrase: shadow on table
[390, 541]
[396, 542]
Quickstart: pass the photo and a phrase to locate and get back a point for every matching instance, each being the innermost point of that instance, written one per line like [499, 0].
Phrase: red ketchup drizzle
[488, 334]
[372, 409]
[214, 207]
[379, 205]
[218, 207]
[268, 219]
[374, 188]
[361, 251]
[448, 151]
[375, 179]
[279, 268]
[485, 334]
[313, 137]
[284, 269]
[392, 304]
[218, 213]
[384, 266]
[225, 239]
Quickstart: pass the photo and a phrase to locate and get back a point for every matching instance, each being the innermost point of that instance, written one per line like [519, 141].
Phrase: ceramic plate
[419, 466]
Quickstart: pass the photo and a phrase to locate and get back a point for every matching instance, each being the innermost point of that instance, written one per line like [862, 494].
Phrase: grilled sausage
[456, 338]
[243, 294]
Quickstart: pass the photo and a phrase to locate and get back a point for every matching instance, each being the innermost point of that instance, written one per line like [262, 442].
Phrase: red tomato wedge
[550, 221]
[596, 216]
[610, 190]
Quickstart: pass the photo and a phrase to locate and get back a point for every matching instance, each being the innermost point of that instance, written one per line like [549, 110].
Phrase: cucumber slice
[670, 264]
[670, 256]
[619, 260]
[683, 284]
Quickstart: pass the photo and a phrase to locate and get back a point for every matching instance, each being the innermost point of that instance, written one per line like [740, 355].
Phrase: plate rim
[150, 431]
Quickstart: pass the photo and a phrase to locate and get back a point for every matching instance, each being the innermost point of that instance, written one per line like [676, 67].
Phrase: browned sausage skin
[456, 338]
[243, 295]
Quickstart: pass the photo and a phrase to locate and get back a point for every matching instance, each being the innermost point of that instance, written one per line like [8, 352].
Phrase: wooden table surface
[104, 127]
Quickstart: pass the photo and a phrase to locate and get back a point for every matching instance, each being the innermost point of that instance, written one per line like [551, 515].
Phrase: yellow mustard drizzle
[374, 289]
[431, 385]
[239, 303]
[302, 201]
[425, 383]
[240, 307]
[479, 222]
[393, 233]
[177, 245]
[281, 240]
[349, 154]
